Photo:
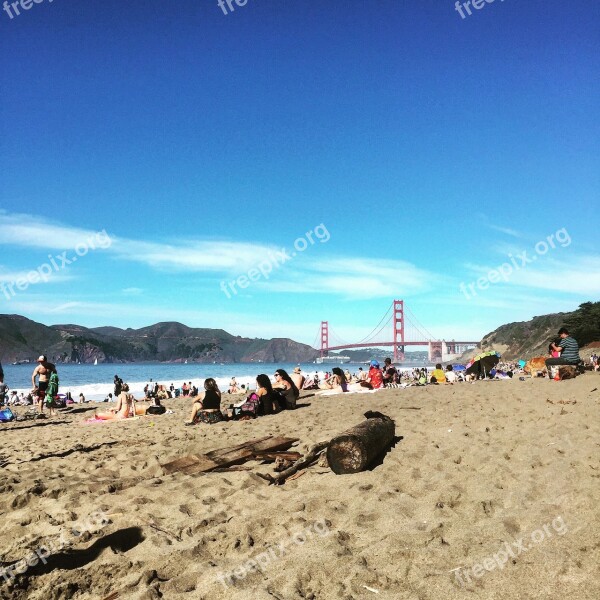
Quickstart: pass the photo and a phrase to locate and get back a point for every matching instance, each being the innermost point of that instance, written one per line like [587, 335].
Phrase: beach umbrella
[483, 363]
[459, 368]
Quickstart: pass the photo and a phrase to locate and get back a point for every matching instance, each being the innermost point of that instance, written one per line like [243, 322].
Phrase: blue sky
[430, 148]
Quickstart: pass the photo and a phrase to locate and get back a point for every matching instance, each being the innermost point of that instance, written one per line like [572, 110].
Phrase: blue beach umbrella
[459, 368]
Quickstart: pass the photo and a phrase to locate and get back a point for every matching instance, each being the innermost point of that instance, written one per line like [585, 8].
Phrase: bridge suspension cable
[418, 326]
[375, 332]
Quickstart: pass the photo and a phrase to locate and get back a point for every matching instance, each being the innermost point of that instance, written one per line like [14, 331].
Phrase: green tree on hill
[584, 323]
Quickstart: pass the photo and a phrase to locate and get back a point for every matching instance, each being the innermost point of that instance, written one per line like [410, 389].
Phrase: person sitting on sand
[374, 379]
[337, 381]
[233, 387]
[568, 348]
[298, 378]
[450, 374]
[437, 375]
[82, 398]
[286, 388]
[264, 390]
[207, 408]
[125, 407]
[390, 374]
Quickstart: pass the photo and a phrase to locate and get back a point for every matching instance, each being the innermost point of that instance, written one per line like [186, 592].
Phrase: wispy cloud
[351, 277]
[132, 291]
[9, 276]
[506, 230]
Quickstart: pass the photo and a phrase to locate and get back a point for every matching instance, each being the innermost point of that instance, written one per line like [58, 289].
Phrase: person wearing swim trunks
[42, 372]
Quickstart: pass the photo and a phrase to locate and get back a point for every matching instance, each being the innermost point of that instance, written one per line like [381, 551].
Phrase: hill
[522, 340]
[22, 339]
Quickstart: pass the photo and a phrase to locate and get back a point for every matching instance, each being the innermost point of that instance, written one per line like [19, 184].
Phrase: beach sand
[478, 467]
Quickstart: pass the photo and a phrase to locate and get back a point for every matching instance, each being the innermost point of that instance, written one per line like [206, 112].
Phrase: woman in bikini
[337, 381]
[207, 409]
[125, 407]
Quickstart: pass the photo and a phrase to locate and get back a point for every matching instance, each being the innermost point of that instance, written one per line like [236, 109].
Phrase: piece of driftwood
[273, 456]
[305, 461]
[355, 449]
[296, 475]
[226, 457]
[165, 531]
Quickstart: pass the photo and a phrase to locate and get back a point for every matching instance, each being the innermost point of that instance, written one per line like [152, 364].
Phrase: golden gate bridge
[398, 328]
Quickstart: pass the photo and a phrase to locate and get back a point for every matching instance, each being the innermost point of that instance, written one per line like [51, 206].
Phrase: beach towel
[96, 421]
[52, 389]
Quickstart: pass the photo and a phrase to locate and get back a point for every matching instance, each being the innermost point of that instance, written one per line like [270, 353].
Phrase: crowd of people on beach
[270, 395]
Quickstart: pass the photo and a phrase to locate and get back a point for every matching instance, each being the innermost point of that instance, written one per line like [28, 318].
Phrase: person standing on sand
[118, 385]
[42, 372]
[3, 391]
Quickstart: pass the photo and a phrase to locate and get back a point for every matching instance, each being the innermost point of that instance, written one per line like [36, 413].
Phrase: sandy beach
[499, 479]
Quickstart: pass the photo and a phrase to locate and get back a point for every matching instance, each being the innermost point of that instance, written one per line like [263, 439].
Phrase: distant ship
[332, 360]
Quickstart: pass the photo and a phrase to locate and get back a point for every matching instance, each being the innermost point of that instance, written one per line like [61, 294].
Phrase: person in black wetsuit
[207, 408]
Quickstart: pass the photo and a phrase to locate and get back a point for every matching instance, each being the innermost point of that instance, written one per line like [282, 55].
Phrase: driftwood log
[226, 457]
[354, 450]
[305, 461]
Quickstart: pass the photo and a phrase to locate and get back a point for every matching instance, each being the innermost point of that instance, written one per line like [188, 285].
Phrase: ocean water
[96, 381]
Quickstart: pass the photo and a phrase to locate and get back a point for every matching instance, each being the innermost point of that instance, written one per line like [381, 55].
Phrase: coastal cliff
[22, 339]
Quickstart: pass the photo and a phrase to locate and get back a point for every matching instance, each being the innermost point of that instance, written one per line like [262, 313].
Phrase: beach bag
[250, 408]
[6, 415]
[156, 410]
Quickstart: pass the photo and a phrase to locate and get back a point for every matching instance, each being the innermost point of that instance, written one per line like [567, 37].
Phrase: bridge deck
[379, 344]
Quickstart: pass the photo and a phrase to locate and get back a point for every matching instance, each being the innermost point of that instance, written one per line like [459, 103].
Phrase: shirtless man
[298, 378]
[43, 372]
